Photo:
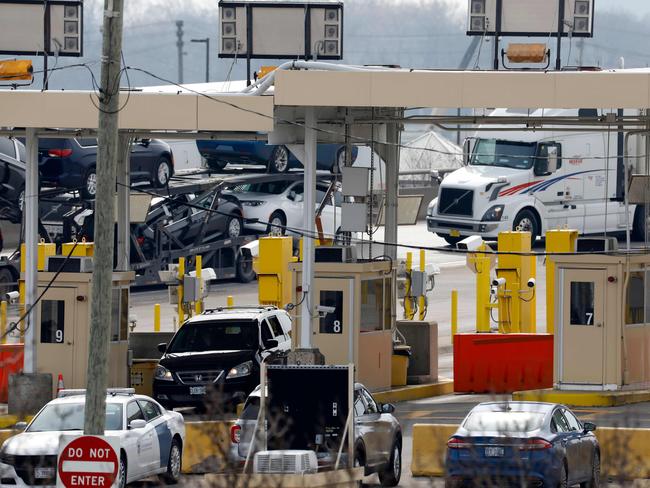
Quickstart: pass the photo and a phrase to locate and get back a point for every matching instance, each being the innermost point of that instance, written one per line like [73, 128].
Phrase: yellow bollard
[230, 302]
[181, 275]
[3, 321]
[198, 306]
[408, 313]
[156, 317]
[557, 241]
[454, 314]
[422, 299]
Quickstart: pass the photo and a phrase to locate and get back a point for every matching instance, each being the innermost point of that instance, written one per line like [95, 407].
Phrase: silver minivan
[378, 436]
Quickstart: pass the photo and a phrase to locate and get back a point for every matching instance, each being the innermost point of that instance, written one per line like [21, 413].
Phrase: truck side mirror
[552, 165]
[467, 150]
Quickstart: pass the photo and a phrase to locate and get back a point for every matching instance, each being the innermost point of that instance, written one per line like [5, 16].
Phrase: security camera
[531, 283]
[324, 310]
[12, 297]
[499, 282]
[471, 243]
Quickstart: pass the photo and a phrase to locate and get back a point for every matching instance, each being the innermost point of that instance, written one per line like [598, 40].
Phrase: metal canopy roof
[207, 111]
[464, 89]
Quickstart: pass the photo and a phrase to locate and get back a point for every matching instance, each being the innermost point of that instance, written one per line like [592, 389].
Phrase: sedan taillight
[235, 434]
[535, 445]
[59, 153]
[458, 443]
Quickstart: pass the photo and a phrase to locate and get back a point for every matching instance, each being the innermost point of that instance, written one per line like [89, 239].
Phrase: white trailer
[538, 180]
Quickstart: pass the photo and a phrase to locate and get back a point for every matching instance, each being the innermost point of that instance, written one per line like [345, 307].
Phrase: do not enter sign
[87, 462]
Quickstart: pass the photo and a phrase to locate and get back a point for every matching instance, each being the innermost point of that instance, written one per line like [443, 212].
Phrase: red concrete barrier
[11, 362]
[502, 363]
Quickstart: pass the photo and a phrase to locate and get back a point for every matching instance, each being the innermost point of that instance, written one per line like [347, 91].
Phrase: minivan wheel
[393, 471]
[162, 172]
[89, 189]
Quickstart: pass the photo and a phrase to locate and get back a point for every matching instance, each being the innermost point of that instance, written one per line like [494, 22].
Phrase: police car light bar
[109, 391]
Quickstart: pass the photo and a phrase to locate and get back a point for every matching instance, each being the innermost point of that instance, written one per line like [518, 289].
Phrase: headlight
[494, 214]
[243, 369]
[252, 203]
[162, 373]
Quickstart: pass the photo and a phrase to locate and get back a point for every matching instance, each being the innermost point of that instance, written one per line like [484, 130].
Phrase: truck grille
[25, 467]
[456, 201]
[198, 377]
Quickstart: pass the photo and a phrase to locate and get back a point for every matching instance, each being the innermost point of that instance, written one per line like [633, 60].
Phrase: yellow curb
[583, 398]
[7, 421]
[415, 392]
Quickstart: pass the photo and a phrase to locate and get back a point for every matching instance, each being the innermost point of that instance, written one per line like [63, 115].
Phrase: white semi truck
[538, 180]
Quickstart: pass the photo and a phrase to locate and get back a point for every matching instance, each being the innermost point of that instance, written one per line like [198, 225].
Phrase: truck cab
[533, 181]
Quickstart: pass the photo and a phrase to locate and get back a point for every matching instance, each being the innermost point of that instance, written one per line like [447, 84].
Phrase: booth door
[583, 331]
[56, 335]
[333, 333]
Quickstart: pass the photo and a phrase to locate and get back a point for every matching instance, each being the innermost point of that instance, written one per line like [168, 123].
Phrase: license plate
[494, 452]
[197, 390]
[43, 473]
[454, 233]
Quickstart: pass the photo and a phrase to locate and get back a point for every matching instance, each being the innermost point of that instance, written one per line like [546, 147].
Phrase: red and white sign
[88, 462]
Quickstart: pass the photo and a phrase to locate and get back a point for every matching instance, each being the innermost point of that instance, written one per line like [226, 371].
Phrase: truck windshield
[222, 335]
[507, 154]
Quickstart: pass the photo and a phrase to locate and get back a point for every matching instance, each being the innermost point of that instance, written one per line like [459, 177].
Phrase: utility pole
[206, 40]
[180, 44]
[107, 142]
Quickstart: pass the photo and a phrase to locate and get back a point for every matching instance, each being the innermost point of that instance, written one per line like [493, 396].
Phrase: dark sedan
[523, 444]
[12, 179]
[277, 159]
[71, 163]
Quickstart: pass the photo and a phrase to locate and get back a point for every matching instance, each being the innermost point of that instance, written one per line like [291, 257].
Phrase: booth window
[120, 315]
[634, 302]
[331, 323]
[52, 321]
[372, 305]
[582, 303]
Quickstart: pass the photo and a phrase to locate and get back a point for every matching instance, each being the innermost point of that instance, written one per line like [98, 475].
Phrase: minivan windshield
[507, 154]
[222, 335]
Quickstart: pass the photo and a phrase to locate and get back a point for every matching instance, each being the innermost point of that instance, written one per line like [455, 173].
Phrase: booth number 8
[337, 327]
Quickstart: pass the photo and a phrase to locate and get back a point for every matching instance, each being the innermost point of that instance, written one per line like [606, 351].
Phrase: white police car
[151, 439]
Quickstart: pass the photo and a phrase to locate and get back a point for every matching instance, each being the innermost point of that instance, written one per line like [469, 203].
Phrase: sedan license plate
[454, 233]
[44, 473]
[197, 390]
[494, 452]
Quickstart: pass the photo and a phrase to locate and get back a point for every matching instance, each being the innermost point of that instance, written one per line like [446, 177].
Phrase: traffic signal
[16, 70]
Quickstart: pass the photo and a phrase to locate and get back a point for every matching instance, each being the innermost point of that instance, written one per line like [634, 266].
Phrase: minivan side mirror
[162, 347]
[145, 142]
[271, 343]
[589, 426]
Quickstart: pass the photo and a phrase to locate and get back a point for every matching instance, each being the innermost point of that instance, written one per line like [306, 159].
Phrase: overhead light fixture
[228, 29]
[478, 7]
[581, 24]
[331, 32]
[581, 7]
[477, 23]
[331, 15]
